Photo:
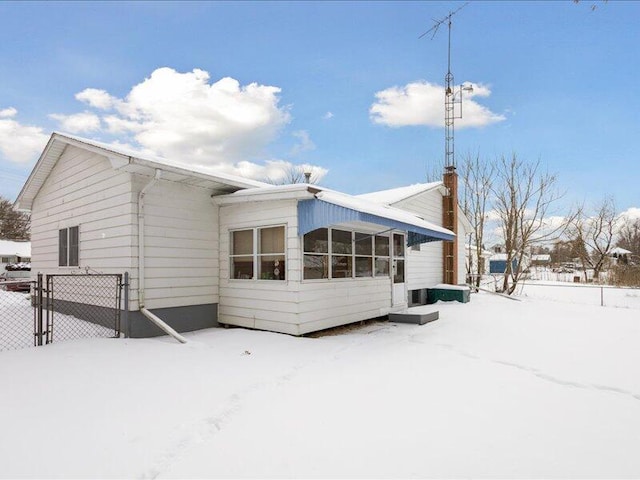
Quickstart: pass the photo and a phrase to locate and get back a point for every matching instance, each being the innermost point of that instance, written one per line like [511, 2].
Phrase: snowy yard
[494, 388]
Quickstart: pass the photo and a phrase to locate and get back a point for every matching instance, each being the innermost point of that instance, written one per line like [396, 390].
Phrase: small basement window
[258, 253]
[69, 247]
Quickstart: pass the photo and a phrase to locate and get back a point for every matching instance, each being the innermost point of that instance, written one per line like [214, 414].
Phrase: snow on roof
[141, 155]
[499, 257]
[368, 206]
[126, 159]
[541, 257]
[357, 203]
[619, 251]
[395, 195]
[20, 249]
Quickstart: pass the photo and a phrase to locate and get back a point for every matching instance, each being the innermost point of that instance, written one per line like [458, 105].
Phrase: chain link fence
[17, 317]
[61, 307]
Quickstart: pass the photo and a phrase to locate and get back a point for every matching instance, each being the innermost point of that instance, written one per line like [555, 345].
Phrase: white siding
[181, 246]
[84, 190]
[262, 304]
[292, 306]
[424, 267]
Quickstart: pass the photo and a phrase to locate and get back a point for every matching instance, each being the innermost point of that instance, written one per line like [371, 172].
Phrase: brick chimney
[450, 221]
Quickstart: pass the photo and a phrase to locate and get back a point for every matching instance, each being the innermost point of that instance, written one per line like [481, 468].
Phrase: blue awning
[317, 213]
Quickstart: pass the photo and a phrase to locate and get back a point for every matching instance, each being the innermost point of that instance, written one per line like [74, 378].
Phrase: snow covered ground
[494, 388]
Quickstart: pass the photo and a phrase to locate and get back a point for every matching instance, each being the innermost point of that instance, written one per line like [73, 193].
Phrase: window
[341, 258]
[364, 254]
[316, 256]
[382, 256]
[258, 253]
[69, 247]
[334, 253]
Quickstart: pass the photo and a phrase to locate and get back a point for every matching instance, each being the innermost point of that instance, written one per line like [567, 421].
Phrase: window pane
[242, 268]
[74, 244]
[382, 246]
[398, 275]
[316, 266]
[272, 240]
[364, 266]
[341, 266]
[398, 245]
[382, 267]
[62, 247]
[242, 242]
[340, 241]
[364, 244]
[317, 241]
[271, 267]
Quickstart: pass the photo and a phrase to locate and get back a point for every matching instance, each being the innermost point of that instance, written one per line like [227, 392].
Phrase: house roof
[395, 195]
[619, 251]
[128, 160]
[10, 248]
[349, 209]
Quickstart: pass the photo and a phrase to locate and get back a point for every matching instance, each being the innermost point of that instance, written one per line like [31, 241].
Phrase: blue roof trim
[313, 214]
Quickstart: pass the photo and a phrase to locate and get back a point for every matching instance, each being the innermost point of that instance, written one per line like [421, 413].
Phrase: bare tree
[14, 225]
[524, 198]
[629, 235]
[477, 181]
[597, 232]
[296, 174]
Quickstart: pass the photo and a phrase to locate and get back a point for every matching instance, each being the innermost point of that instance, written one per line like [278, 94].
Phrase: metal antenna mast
[451, 96]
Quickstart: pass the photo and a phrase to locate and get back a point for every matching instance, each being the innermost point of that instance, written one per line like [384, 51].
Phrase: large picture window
[337, 253]
[258, 253]
[69, 247]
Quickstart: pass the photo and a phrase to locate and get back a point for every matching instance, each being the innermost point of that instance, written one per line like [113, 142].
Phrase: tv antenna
[452, 97]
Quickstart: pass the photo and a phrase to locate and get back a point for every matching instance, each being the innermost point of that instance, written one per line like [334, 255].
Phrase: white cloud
[19, 143]
[8, 112]
[422, 103]
[631, 214]
[327, 116]
[183, 116]
[273, 171]
[304, 142]
[78, 122]
[97, 98]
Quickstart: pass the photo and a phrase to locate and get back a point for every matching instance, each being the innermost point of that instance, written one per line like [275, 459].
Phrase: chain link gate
[71, 306]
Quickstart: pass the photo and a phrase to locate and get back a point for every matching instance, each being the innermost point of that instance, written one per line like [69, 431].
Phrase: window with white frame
[336, 253]
[69, 247]
[258, 253]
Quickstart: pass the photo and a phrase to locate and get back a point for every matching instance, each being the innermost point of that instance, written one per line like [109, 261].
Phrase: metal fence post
[125, 307]
[602, 296]
[39, 306]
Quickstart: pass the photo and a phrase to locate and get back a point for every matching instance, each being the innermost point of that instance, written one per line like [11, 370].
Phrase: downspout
[141, 274]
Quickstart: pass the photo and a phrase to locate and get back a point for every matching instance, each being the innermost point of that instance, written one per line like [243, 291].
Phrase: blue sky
[335, 84]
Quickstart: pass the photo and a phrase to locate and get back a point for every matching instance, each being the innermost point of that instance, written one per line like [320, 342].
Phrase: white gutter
[154, 318]
[164, 326]
[141, 236]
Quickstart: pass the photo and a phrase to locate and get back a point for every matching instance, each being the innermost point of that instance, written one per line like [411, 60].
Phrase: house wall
[181, 246]
[293, 306]
[424, 267]
[84, 190]
[262, 304]
[181, 241]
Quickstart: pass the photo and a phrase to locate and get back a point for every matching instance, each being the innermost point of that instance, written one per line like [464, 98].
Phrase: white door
[398, 285]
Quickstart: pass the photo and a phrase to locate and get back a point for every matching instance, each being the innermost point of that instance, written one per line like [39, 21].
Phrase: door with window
[398, 285]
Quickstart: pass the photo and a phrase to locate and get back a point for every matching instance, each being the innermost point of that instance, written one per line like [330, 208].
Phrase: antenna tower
[451, 96]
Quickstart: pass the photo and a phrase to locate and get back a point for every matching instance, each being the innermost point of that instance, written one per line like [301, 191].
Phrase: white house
[14, 252]
[204, 248]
